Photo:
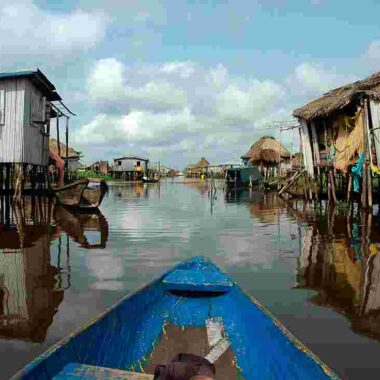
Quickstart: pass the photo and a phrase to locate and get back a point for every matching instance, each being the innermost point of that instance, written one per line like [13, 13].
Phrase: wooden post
[364, 195]
[349, 187]
[58, 143]
[7, 177]
[1, 177]
[369, 186]
[67, 145]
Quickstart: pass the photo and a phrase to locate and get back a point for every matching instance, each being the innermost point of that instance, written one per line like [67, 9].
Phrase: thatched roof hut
[341, 98]
[340, 119]
[266, 150]
[202, 163]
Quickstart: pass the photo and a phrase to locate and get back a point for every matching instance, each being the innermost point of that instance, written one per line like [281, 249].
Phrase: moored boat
[70, 195]
[194, 309]
[93, 194]
[243, 176]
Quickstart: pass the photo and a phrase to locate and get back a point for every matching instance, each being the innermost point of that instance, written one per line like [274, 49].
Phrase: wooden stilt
[369, 187]
[364, 196]
[349, 187]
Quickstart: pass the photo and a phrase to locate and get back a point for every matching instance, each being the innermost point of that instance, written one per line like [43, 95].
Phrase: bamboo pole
[349, 187]
[58, 143]
[67, 145]
[364, 195]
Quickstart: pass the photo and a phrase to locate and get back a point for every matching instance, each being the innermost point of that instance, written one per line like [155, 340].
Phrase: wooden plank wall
[12, 131]
[35, 144]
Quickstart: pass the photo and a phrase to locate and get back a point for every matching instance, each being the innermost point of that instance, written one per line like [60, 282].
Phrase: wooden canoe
[194, 308]
[93, 194]
[70, 195]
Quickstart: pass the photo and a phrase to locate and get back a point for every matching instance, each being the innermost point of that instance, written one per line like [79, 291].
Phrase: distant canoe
[150, 180]
[194, 308]
[70, 195]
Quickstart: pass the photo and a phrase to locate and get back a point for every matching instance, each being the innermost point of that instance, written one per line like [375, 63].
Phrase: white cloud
[183, 69]
[311, 80]
[186, 110]
[27, 29]
[108, 83]
[373, 51]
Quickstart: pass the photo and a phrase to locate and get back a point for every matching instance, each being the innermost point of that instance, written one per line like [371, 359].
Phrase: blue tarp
[357, 173]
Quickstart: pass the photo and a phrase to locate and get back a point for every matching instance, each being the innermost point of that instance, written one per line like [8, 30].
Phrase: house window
[119, 163]
[138, 163]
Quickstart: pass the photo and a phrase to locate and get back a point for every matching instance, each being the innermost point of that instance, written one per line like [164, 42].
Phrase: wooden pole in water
[349, 187]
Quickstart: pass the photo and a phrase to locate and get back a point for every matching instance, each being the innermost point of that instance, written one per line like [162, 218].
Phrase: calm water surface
[316, 269]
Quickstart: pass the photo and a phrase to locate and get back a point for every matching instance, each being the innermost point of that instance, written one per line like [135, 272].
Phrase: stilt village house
[28, 102]
[130, 167]
[341, 125]
[269, 156]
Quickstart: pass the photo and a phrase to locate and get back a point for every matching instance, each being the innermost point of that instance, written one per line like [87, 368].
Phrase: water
[316, 269]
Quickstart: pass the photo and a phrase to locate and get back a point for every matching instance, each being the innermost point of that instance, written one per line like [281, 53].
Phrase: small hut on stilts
[28, 103]
[271, 157]
[340, 139]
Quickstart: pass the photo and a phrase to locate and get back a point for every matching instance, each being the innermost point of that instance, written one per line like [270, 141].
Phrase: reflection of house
[97, 167]
[29, 301]
[266, 153]
[344, 275]
[130, 167]
[73, 155]
[196, 170]
[334, 125]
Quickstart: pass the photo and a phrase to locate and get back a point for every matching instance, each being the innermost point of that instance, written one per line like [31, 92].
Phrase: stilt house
[342, 124]
[27, 101]
[269, 156]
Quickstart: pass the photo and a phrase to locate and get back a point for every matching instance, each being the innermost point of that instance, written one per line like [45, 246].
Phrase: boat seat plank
[89, 372]
[197, 281]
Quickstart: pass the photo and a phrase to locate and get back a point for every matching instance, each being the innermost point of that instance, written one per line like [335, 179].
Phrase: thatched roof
[53, 145]
[336, 100]
[202, 163]
[266, 149]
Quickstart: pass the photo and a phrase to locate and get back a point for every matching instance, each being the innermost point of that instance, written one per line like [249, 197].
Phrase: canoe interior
[190, 340]
[70, 195]
[93, 196]
[154, 324]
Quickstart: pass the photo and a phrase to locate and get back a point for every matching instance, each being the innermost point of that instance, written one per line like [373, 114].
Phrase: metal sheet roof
[39, 79]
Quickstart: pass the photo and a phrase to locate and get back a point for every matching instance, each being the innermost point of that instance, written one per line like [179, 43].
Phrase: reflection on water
[29, 296]
[340, 260]
[31, 287]
[315, 267]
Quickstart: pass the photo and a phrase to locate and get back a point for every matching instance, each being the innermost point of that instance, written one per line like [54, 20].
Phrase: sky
[177, 80]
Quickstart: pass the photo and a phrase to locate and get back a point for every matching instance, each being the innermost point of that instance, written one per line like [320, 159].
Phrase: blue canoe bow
[193, 307]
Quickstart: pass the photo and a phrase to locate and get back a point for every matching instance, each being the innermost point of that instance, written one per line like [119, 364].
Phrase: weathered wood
[67, 145]
[58, 142]
[290, 183]
[76, 370]
[349, 187]
[369, 187]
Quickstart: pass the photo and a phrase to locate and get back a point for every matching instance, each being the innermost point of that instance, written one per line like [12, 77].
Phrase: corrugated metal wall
[12, 131]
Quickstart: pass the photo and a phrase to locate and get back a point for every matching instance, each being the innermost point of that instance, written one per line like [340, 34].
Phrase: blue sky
[177, 80]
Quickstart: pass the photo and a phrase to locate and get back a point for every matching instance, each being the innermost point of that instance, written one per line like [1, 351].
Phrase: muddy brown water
[317, 269]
